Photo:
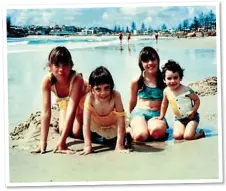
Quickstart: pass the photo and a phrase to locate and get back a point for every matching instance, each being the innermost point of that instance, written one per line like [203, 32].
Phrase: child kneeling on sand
[183, 101]
[103, 111]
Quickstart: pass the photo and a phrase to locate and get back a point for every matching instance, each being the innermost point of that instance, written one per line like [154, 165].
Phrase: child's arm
[86, 126]
[120, 123]
[133, 95]
[164, 105]
[45, 115]
[194, 97]
[75, 96]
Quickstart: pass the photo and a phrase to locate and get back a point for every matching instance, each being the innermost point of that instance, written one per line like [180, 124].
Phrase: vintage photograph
[113, 94]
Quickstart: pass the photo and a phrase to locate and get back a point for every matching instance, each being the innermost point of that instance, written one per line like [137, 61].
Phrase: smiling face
[102, 92]
[149, 60]
[172, 79]
[150, 64]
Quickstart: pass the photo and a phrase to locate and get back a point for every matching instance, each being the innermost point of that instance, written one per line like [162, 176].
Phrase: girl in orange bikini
[68, 87]
[103, 111]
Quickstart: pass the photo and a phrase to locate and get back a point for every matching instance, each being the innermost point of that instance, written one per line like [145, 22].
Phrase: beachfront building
[87, 32]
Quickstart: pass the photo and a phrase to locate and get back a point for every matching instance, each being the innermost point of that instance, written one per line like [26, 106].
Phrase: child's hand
[190, 115]
[87, 150]
[121, 149]
[158, 118]
[41, 149]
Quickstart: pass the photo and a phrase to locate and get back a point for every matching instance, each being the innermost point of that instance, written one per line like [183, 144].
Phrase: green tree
[127, 29]
[163, 27]
[143, 28]
[133, 26]
[8, 23]
[115, 28]
[195, 24]
[179, 27]
[185, 24]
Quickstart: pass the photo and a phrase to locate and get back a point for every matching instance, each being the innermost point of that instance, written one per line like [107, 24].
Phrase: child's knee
[76, 132]
[177, 136]
[188, 137]
[158, 132]
[142, 136]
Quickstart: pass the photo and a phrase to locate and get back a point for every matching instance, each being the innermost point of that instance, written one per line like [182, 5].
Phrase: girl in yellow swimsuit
[103, 111]
[184, 103]
[68, 87]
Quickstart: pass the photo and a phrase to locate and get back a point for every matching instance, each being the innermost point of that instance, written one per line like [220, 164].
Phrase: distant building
[87, 31]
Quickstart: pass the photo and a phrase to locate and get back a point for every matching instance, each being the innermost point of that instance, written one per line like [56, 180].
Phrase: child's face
[60, 71]
[150, 65]
[102, 91]
[172, 79]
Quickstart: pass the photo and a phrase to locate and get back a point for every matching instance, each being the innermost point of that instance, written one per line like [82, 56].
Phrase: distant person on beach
[104, 115]
[128, 37]
[156, 36]
[183, 101]
[68, 87]
[146, 94]
[120, 36]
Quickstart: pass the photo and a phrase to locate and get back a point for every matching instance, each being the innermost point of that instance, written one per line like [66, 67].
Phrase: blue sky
[155, 17]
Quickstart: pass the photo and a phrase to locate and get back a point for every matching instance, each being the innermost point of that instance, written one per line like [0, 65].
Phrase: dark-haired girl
[103, 111]
[146, 94]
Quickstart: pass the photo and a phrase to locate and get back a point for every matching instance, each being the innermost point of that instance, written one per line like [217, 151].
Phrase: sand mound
[205, 87]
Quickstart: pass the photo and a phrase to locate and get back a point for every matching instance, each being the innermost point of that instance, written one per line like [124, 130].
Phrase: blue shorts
[185, 120]
[146, 113]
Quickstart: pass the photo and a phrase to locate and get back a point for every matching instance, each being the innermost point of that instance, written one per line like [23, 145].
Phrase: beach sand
[170, 160]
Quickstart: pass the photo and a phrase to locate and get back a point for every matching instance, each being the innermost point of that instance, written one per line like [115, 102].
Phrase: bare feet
[202, 133]
[63, 149]
[41, 149]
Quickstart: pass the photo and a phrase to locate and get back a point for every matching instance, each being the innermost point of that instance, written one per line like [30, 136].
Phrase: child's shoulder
[116, 94]
[187, 89]
[46, 81]
[135, 79]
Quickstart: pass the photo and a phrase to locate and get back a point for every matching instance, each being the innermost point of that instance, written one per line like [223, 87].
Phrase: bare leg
[120, 136]
[157, 128]
[61, 120]
[77, 125]
[139, 129]
[178, 130]
[190, 131]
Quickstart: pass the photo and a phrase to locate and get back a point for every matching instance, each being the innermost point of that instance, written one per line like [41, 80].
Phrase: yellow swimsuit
[63, 101]
[181, 104]
[108, 132]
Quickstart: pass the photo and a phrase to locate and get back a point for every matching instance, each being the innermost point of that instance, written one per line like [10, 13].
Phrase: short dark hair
[173, 66]
[99, 76]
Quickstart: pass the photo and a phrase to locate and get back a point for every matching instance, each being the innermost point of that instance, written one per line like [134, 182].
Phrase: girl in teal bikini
[146, 94]
[183, 101]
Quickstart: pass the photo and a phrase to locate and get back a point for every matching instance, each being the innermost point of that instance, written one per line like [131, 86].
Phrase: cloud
[128, 11]
[105, 16]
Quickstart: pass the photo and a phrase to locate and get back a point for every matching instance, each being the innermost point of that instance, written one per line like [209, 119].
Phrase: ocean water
[27, 57]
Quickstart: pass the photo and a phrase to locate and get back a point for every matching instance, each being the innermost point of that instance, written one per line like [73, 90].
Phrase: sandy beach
[187, 161]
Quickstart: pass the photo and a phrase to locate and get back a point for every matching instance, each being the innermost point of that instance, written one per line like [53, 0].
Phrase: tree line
[204, 21]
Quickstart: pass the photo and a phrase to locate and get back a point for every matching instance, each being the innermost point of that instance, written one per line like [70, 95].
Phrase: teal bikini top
[152, 94]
